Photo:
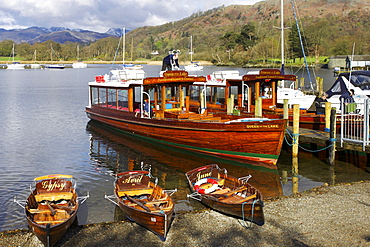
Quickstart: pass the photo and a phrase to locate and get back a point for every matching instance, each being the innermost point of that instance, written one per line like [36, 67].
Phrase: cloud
[100, 15]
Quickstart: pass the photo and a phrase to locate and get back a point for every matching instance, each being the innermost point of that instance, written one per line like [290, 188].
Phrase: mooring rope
[244, 223]
[292, 135]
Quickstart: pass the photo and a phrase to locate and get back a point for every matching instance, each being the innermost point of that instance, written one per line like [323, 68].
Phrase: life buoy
[206, 181]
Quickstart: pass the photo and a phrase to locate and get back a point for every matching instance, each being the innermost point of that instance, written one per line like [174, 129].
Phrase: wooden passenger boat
[224, 193]
[52, 207]
[143, 201]
[263, 85]
[158, 110]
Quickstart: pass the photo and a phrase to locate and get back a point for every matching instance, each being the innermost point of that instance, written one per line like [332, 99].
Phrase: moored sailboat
[15, 65]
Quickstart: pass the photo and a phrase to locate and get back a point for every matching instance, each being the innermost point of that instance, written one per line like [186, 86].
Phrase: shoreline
[105, 62]
[334, 215]
[182, 63]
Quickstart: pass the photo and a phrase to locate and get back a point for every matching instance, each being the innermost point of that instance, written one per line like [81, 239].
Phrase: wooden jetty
[321, 138]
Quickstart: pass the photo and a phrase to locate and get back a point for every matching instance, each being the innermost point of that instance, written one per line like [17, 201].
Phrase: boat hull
[144, 202]
[49, 237]
[251, 210]
[15, 66]
[256, 142]
[155, 222]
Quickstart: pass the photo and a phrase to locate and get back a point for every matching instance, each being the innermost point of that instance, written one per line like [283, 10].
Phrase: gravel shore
[326, 216]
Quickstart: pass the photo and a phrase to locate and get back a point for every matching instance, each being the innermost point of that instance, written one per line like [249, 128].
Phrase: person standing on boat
[171, 62]
[319, 103]
[346, 99]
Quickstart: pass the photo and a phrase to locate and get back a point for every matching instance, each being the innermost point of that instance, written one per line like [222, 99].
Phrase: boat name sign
[174, 77]
[203, 175]
[133, 179]
[50, 185]
[271, 126]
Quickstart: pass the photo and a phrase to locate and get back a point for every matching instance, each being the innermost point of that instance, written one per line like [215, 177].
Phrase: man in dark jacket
[171, 62]
[320, 104]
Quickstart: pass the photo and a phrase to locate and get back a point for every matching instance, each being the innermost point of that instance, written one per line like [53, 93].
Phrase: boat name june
[203, 175]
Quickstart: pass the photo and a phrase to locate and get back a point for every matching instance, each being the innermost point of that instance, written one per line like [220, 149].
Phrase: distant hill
[222, 34]
[329, 26]
[57, 34]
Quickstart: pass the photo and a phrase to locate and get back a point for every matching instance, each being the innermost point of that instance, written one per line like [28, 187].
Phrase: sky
[100, 15]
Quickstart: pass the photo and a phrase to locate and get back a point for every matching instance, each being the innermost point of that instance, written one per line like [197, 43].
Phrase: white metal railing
[355, 123]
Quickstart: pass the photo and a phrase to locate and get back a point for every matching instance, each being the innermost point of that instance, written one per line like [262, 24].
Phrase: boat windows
[102, 96]
[122, 99]
[216, 95]
[109, 97]
[195, 93]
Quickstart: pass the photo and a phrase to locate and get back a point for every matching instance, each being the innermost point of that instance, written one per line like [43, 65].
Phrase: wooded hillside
[239, 34]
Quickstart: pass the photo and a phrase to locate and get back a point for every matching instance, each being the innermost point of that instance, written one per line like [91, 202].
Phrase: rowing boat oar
[138, 203]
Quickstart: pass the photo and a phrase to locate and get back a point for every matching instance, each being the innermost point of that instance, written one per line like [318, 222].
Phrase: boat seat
[238, 199]
[222, 191]
[155, 202]
[247, 198]
[43, 211]
[162, 209]
[135, 192]
[54, 196]
[53, 222]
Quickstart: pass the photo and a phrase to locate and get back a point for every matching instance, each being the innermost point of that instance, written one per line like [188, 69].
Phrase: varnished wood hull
[248, 211]
[251, 142]
[251, 210]
[48, 237]
[156, 222]
[157, 219]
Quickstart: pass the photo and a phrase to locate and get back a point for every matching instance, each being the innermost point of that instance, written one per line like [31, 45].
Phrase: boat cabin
[176, 92]
[228, 91]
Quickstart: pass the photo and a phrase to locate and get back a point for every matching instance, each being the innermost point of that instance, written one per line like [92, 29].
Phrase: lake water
[44, 130]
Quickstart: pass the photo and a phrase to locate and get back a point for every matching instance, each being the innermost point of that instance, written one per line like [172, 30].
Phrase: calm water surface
[44, 130]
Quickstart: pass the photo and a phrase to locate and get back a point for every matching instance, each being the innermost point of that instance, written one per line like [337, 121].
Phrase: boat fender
[204, 181]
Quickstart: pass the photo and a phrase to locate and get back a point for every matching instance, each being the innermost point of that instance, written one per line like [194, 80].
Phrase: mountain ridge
[60, 35]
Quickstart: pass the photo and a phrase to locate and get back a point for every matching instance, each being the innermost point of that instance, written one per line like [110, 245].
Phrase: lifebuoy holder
[200, 190]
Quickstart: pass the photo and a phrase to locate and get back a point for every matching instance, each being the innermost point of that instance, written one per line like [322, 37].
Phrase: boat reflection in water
[116, 152]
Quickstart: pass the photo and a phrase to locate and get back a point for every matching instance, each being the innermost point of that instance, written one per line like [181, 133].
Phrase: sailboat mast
[191, 48]
[282, 35]
[123, 45]
[302, 47]
[13, 53]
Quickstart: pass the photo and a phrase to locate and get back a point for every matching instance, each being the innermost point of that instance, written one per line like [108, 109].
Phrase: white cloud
[100, 15]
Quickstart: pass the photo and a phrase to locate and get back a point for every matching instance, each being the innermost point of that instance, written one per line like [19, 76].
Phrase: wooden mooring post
[286, 110]
[327, 116]
[295, 149]
[332, 139]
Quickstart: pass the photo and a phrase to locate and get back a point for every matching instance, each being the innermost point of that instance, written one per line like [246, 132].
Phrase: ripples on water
[44, 130]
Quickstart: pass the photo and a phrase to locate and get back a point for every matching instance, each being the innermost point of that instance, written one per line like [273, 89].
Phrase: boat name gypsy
[49, 185]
